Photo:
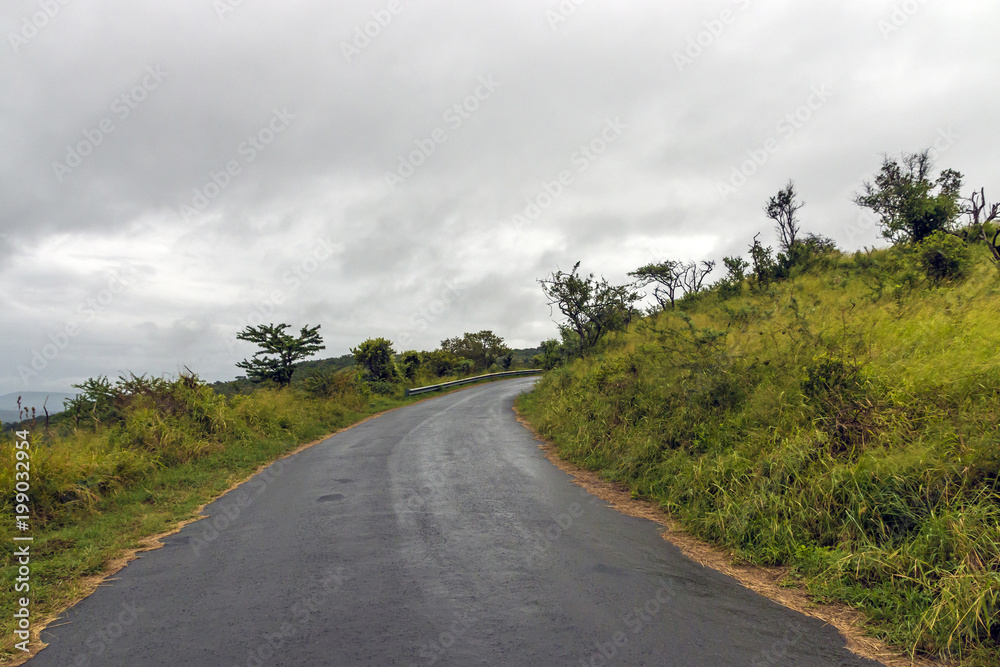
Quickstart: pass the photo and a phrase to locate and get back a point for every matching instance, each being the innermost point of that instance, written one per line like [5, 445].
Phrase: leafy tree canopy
[483, 348]
[911, 206]
[375, 358]
[592, 307]
[275, 360]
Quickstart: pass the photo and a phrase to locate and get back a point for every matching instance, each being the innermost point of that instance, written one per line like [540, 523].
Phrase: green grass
[845, 421]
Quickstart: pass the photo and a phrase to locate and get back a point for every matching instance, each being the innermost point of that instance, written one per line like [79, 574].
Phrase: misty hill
[31, 399]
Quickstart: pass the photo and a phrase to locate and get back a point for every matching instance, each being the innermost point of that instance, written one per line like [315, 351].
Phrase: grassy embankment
[845, 422]
[164, 449]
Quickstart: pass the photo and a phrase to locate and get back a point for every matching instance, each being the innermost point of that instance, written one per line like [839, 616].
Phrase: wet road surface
[434, 534]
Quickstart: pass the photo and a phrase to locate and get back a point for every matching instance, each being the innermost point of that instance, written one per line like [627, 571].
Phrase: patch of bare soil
[767, 581]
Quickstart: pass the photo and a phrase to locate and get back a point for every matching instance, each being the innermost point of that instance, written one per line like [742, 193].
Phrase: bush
[410, 364]
[375, 358]
[944, 257]
[440, 362]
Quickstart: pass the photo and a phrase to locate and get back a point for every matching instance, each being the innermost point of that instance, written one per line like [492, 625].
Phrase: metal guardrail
[455, 383]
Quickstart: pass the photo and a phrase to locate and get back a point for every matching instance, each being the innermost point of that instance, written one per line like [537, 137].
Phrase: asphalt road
[435, 534]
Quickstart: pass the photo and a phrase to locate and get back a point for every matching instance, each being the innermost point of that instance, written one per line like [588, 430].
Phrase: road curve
[434, 534]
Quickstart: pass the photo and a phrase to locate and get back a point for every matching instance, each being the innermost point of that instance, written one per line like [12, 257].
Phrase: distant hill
[31, 399]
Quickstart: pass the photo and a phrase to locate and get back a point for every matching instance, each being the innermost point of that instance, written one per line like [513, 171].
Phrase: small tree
[592, 307]
[440, 362]
[694, 276]
[279, 351]
[782, 209]
[904, 198]
[736, 268]
[375, 358]
[979, 219]
[764, 267]
[506, 361]
[551, 356]
[411, 364]
[732, 284]
[667, 278]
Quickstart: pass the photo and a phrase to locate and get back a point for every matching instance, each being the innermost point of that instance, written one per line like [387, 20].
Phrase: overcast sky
[172, 171]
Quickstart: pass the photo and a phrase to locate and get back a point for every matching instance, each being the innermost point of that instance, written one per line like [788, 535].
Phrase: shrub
[944, 257]
[375, 358]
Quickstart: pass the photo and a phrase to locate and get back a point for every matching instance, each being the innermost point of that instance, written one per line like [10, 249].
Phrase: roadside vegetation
[133, 457]
[838, 413]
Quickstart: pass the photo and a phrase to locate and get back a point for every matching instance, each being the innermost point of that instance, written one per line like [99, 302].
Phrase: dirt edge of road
[767, 581]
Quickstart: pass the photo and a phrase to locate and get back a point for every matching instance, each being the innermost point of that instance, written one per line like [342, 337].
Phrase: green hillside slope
[845, 421]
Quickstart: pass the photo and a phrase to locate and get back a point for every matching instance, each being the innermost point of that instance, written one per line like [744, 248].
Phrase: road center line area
[435, 534]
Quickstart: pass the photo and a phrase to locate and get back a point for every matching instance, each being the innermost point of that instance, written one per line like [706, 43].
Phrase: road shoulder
[771, 582]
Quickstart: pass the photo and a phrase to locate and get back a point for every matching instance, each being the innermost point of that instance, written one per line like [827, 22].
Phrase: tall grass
[845, 422]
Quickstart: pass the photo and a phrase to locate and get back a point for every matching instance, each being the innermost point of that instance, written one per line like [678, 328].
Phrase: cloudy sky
[174, 171]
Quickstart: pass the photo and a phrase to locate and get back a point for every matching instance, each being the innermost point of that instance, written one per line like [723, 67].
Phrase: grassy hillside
[845, 421]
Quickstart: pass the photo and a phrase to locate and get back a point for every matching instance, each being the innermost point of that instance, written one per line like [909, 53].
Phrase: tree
[735, 269]
[693, 276]
[592, 307]
[411, 363]
[551, 356]
[375, 358]
[782, 209]
[764, 268]
[672, 279]
[904, 198]
[667, 277]
[976, 209]
[506, 361]
[279, 351]
[483, 348]
[732, 284]
[440, 363]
